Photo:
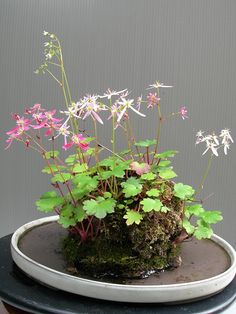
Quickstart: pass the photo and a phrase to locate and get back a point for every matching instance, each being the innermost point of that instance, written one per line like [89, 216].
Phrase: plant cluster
[134, 183]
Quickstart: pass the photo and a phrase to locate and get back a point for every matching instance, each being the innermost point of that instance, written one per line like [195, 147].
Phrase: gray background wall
[190, 44]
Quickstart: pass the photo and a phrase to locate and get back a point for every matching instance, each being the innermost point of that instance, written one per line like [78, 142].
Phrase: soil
[200, 259]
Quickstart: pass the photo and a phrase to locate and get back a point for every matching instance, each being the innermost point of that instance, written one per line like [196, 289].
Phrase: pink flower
[22, 125]
[139, 101]
[140, 168]
[152, 99]
[40, 124]
[49, 116]
[14, 133]
[38, 117]
[15, 116]
[77, 140]
[27, 143]
[36, 107]
[51, 127]
[21, 122]
[46, 120]
[183, 112]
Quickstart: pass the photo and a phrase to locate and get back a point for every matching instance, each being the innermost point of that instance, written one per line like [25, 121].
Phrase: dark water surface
[200, 259]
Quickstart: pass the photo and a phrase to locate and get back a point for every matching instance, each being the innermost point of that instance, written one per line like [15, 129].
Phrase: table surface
[26, 294]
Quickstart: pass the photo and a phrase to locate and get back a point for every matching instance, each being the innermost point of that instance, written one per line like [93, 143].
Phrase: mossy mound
[129, 251]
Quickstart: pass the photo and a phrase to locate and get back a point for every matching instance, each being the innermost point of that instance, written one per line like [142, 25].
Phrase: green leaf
[51, 154]
[107, 195]
[52, 168]
[145, 143]
[117, 167]
[49, 194]
[118, 172]
[106, 174]
[167, 154]
[66, 222]
[125, 152]
[183, 191]
[188, 227]
[164, 163]
[131, 187]
[99, 207]
[150, 204]
[79, 213]
[105, 207]
[89, 139]
[67, 218]
[121, 206]
[107, 162]
[61, 177]
[211, 217]
[167, 174]
[165, 209]
[71, 159]
[78, 168]
[90, 207]
[77, 193]
[90, 151]
[148, 176]
[133, 217]
[86, 182]
[129, 201]
[203, 230]
[124, 165]
[48, 201]
[70, 215]
[195, 210]
[153, 192]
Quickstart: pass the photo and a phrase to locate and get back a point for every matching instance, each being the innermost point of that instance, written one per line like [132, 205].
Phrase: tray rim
[120, 292]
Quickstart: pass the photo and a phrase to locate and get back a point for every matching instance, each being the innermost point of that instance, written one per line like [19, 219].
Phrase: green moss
[126, 251]
[101, 258]
[130, 251]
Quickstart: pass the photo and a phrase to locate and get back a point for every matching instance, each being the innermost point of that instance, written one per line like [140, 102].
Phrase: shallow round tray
[176, 292]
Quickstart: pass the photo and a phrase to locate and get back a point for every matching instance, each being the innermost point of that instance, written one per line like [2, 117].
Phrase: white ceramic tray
[121, 292]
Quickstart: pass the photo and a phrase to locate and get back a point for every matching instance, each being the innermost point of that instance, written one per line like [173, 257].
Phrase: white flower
[213, 147]
[126, 104]
[63, 130]
[125, 93]
[48, 56]
[71, 112]
[226, 137]
[213, 143]
[215, 138]
[226, 147]
[114, 111]
[158, 85]
[90, 107]
[109, 93]
[199, 136]
[200, 133]
[210, 138]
